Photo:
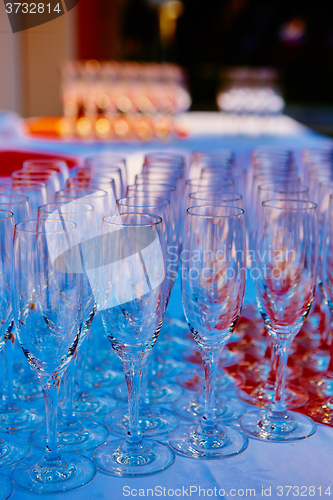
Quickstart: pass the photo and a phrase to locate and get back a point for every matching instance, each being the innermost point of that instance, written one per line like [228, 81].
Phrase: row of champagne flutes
[213, 288]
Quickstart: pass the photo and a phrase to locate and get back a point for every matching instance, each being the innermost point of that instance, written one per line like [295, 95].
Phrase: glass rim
[190, 182]
[164, 200]
[240, 211]
[270, 187]
[19, 224]
[233, 196]
[310, 204]
[106, 178]
[27, 174]
[45, 160]
[24, 200]
[91, 208]
[98, 167]
[61, 192]
[158, 220]
[173, 186]
[168, 186]
[8, 217]
[30, 183]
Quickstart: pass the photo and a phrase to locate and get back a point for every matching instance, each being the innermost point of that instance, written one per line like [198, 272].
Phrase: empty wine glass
[74, 435]
[12, 448]
[286, 264]
[15, 415]
[321, 410]
[132, 300]
[213, 285]
[47, 305]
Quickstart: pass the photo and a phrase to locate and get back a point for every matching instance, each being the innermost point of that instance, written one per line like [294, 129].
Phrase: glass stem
[7, 359]
[281, 358]
[69, 416]
[50, 392]
[81, 366]
[210, 361]
[144, 399]
[133, 371]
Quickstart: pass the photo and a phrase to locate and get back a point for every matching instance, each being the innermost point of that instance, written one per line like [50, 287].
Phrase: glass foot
[321, 410]
[229, 357]
[99, 377]
[6, 487]
[71, 472]
[158, 393]
[170, 369]
[74, 437]
[259, 370]
[221, 442]
[93, 405]
[117, 459]
[263, 395]
[322, 384]
[12, 449]
[263, 425]
[153, 422]
[28, 387]
[192, 406]
[20, 417]
[193, 380]
[315, 362]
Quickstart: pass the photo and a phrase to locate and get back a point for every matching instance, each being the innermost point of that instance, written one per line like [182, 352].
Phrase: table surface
[264, 469]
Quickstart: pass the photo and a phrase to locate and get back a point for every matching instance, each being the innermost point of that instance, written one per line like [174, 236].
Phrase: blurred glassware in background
[250, 91]
[129, 100]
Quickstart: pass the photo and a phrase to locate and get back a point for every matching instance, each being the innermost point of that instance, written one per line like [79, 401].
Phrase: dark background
[215, 34]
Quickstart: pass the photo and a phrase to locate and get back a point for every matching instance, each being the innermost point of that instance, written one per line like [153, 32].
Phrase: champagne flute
[74, 435]
[286, 263]
[132, 300]
[12, 448]
[213, 285]
[15, 415]
[47, 304]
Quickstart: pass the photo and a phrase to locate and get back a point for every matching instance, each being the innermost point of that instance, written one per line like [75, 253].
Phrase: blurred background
[207, 38]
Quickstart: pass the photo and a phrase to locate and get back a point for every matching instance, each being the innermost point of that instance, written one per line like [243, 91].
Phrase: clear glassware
[286, 263]
[213, 285]
[74, 435]
[133, 296]
[98, 182]
[42, 165]
[15, 415]
[100, 170]
[35, 191]
[218, 197]
[108, 159]
[47, 305]
[98, 198]
[321, 410]
[154, 390]
[12, 448]
[49, 177]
